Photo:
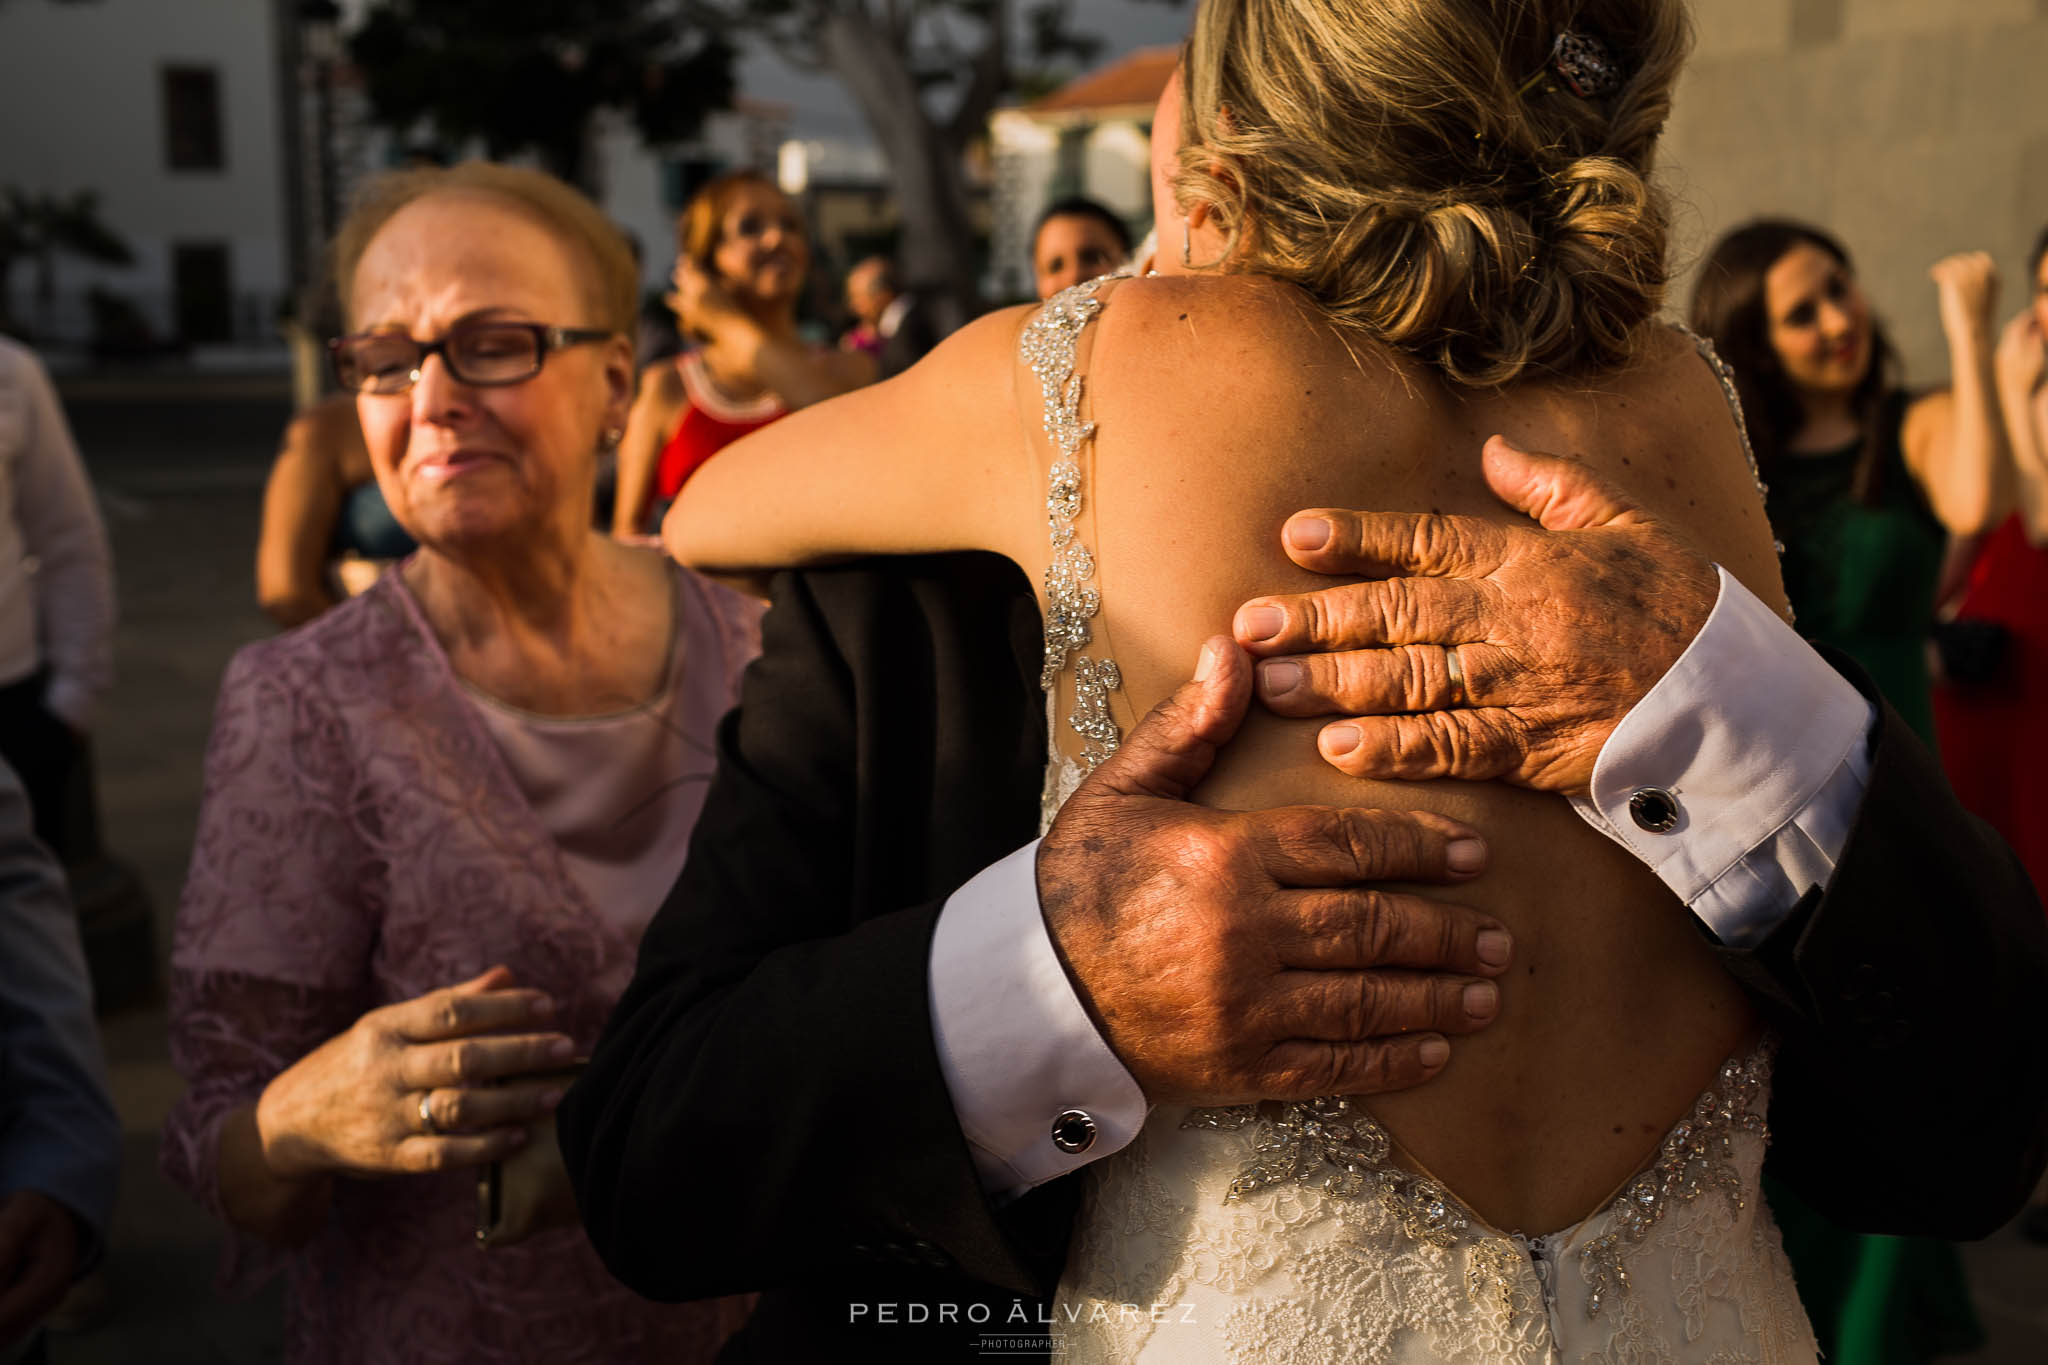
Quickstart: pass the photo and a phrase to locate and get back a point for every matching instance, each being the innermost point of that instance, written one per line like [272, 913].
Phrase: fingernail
[517, 1139]
[1494, 947]
[1482, 999]
[1434, 1052]
[1341, 739]
[562, 1049]
[1204, 666]
[1278, 677]
[543, 1008]
[550, 1098]
[1260, 623]
[1308, 533]
[1465, 855]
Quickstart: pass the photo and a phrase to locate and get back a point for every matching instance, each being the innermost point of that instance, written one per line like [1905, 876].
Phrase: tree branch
[991, 76]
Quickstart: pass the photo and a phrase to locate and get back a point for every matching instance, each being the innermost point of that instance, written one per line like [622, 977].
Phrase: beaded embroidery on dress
[1049, 344]
[1288, 1234]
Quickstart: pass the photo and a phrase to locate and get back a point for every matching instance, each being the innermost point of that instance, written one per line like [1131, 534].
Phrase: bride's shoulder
[1191, 329]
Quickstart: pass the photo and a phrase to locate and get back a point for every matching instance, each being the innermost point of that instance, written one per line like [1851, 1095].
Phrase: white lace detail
[1048, 346]
[1284, 1235]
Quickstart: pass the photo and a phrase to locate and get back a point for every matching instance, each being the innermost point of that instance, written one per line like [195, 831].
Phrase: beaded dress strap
[1726, 376]
[1049, 344]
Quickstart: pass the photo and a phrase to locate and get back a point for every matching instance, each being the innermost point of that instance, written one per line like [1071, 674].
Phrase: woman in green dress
[1867, 482]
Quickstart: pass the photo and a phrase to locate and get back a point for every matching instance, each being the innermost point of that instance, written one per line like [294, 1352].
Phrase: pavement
[179, 472]
[179, 469]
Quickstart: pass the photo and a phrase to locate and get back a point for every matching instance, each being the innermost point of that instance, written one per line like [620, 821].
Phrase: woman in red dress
[742, 258]
[1994, 725]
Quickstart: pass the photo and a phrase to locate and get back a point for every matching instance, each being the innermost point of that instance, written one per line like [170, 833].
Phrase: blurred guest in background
[56, 600]
[60, 1141]
[327, 531]
[1076, 239]
[893, 326]
[1992, 701]
[437, 820]
[1867, 481]
[738, 280]
[870, 288]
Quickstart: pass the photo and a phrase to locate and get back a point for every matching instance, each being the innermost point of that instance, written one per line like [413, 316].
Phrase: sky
[821, 109]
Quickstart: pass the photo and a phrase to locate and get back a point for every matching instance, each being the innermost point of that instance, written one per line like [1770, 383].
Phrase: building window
[192, 125]
[203, 292]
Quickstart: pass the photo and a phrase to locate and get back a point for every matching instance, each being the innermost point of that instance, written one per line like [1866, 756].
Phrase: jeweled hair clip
[1585, 65]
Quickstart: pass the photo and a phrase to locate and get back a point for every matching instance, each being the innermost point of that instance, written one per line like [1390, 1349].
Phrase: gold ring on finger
[427, 1124]
[1454, 668]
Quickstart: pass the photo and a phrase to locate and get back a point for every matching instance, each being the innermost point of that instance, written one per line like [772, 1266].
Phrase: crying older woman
[437, 818]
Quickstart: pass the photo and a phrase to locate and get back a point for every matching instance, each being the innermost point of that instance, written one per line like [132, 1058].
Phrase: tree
[522, 74]
[926, 75]
[39, 227]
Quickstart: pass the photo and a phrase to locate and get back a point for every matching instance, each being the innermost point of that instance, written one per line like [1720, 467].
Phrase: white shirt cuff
[1015, 1043]
[1755, 751]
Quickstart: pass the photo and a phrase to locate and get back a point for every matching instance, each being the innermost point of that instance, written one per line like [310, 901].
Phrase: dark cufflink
[1654, 809]
[1073, 1132]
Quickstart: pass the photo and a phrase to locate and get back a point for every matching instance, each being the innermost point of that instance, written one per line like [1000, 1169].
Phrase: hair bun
[1385, 159]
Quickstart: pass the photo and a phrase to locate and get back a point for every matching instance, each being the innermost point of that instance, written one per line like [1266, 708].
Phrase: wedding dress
[1290, 1234]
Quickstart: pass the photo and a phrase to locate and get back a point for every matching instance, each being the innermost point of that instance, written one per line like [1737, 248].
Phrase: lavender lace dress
[370, 830]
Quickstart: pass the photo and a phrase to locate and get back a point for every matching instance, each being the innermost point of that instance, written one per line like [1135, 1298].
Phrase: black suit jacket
[766, 1110]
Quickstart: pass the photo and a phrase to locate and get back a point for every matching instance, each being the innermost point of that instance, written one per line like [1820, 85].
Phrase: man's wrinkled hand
[1481, 650]
[1231, 956]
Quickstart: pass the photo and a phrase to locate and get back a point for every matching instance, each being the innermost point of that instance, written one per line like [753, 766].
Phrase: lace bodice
[1288, 1232]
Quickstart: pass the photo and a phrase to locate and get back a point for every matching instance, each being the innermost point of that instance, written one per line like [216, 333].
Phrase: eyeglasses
[488, 354]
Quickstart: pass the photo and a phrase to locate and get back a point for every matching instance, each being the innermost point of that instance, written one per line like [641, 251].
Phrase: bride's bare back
[1615, 1014]
[1222, 406]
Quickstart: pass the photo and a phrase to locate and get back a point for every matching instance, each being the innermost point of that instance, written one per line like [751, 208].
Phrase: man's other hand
[1230, 956]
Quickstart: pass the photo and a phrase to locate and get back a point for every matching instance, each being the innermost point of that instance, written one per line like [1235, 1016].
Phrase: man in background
[56, 600]
[891, 325]
[60, 1141]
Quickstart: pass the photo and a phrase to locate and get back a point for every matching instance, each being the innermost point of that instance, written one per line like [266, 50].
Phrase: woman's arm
[801, 375]
[291, 1076]
[300, 504]
[657, 408]
[795, 372]
[283, 1210]
[934, 459]
[1954, 440]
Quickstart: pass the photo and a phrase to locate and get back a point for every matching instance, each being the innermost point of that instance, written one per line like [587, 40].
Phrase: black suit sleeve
[766, 1104]
[1911, 1093]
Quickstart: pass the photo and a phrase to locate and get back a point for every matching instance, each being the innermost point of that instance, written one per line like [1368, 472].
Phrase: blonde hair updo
[1419, 168]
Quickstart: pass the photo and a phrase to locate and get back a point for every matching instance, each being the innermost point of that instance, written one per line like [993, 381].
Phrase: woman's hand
[2022, 358]
[412, 1086]
[704, 307]
[1967, 284]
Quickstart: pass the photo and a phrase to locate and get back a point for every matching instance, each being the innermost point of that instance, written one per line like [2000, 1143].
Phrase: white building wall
[1118, 170]
[81, 107]
[1025, 155]
[1909, 128]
